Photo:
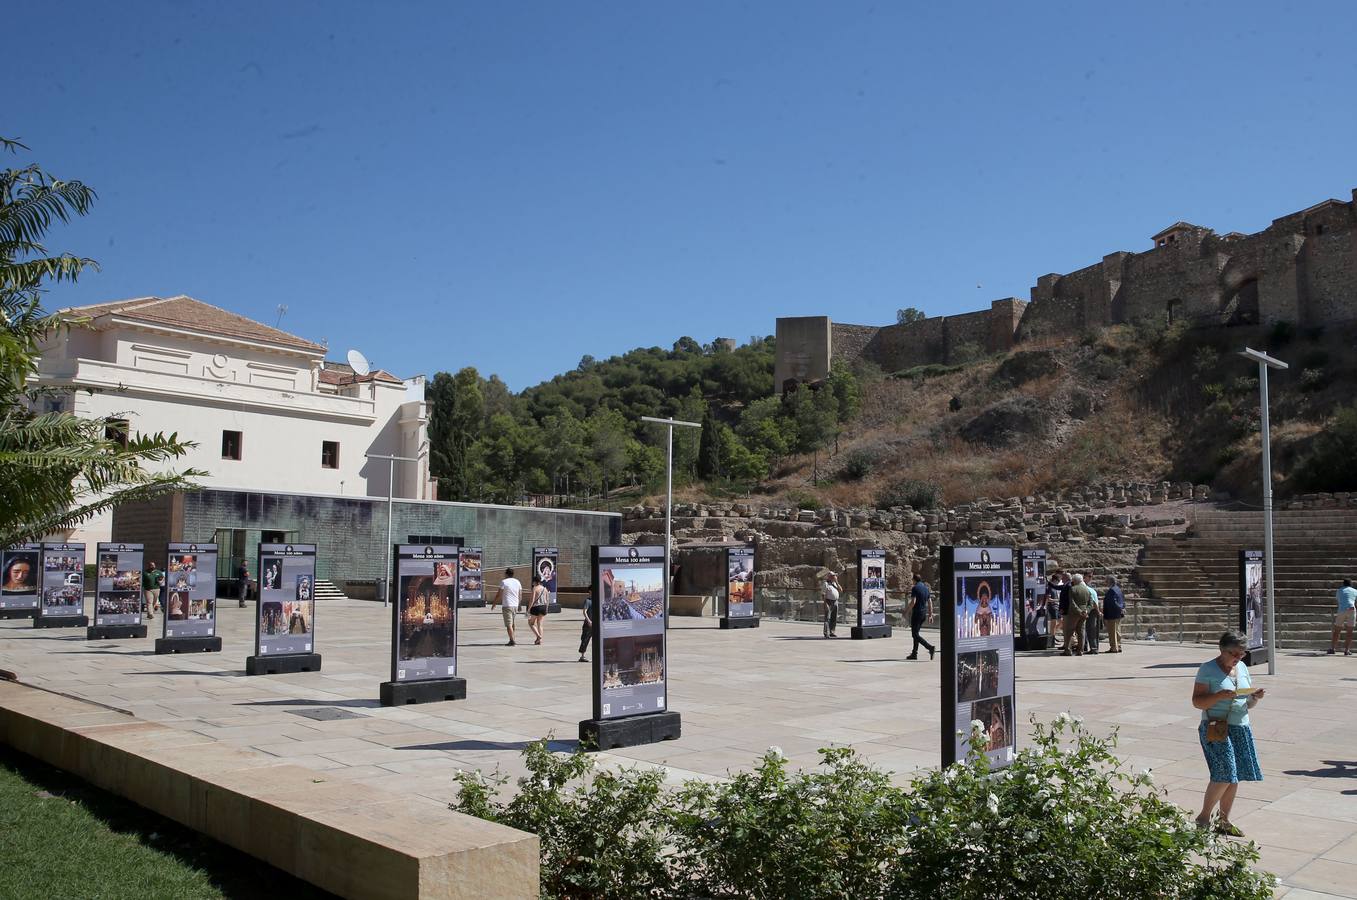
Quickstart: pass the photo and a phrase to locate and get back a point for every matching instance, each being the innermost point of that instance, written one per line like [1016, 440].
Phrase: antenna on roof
[282, 311]
[359, 363]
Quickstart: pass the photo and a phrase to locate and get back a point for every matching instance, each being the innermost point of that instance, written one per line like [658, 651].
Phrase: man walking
[243, 576]
[587, 630]
[1081, 598]
[151, 579]
[510, 590]
[920, 611]
[829, 593]
[1114, 610]
[1347, 611]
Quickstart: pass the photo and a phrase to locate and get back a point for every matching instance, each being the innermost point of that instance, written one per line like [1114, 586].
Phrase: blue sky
[513, 186]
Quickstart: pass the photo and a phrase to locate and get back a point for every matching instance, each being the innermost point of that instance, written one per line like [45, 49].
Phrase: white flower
[977, 725]
[1078, 720]
[1030, 836]
[993, 803]
[1063, 719]
[1049, 805]
[1069, 818]
[776, 753]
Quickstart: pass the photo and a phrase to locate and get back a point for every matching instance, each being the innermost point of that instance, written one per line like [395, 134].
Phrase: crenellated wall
[1300, 269]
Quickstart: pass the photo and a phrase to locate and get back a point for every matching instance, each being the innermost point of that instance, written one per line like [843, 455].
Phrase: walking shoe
[1331, 651]
[582, 659]
[1066, 653]
[512, 644]
[911, 656]
[931, 651]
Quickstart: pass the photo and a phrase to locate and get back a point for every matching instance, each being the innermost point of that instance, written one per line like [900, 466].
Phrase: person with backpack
[1114, 610]
[829, 593]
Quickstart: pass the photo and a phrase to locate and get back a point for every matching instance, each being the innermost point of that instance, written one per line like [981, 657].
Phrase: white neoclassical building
[266, 410]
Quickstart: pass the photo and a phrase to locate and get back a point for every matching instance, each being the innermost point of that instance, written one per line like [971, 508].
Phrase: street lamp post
[1266, 362]
[668, 495]
[390, 507]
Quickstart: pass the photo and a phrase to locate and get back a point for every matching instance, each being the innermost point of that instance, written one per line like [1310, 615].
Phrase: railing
[1152, 633]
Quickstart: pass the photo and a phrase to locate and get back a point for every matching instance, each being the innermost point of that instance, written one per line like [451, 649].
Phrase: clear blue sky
[512, 186]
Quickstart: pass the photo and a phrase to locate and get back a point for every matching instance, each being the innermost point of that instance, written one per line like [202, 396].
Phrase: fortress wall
[899, 347]
[849, 343]
[1330, 277]
[965, 329]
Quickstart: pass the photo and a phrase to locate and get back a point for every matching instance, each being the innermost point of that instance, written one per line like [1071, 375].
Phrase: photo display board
[117, 583]
[190, 596]
[1251, 615]
[21, 567]
[285, 618]
[63, 580]
[424, 616]
[630, 653]
[470, 579]
[872, 586]
[1036, 622]
[544, 564]
[739, 582]
[977, 645]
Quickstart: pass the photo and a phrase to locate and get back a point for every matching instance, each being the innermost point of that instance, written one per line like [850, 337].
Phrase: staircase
[1193, 582]
[326, 590]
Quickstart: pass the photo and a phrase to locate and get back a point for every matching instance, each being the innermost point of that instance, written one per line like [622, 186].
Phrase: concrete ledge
[347, 838]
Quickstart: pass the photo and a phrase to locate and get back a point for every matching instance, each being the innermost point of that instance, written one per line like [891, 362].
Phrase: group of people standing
[1081, 614]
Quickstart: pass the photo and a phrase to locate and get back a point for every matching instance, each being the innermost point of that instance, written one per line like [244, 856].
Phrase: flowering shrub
[1064, 820]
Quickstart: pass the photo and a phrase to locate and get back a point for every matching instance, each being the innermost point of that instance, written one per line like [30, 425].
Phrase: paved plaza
[739, 692]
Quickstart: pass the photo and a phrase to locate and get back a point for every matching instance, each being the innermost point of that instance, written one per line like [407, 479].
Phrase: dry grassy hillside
[1128, 403]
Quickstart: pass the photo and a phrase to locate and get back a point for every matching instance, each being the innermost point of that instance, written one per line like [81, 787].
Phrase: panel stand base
[466, 604]
[1036, 642]
[1256, 657]
[114, 632]
[608, 734]
[188, 645]
[869, 631]
[739, 622]
[435, 690]
[282, 664]
[61, 621]
[18, 613]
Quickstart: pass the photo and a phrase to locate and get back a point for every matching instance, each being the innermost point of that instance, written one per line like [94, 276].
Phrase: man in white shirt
[829, 593]
[510, 590]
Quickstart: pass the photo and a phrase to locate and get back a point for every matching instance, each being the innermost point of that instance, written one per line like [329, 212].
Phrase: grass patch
[61, 837]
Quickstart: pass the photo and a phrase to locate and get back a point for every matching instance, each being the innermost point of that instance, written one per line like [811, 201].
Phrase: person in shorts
[1343, 620]
[508, 597]
[829, 593]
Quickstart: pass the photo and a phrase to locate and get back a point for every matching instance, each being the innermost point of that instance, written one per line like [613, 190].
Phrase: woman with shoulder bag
[1224, 693]
[537, 607]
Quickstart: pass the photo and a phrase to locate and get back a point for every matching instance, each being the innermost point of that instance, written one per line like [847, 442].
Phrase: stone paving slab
[739, 692]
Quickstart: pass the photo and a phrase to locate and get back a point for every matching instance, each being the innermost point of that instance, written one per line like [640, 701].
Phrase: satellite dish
[359, 363]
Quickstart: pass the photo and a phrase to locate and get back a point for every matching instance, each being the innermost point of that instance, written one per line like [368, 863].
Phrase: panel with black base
[189, 620]
[630, 653]
[1251, 607]
[977, 652]
[545, 562]
[424, 626]
[740, 588]
[285, 622]
[62, 587]
[1033, 628]
[871, 595]
[117, 592]
[470, 577]
[20, 577]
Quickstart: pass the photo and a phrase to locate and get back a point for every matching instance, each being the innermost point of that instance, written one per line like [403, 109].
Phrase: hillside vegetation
[1140, 402]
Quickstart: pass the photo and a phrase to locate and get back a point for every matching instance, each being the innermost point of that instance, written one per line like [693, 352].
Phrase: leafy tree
[909, 315]
[709, 447]
[1332, 464]
[58, 469]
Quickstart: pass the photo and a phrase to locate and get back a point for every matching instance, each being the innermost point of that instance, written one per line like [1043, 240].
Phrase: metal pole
[1267, 523]
[668, 513]
[390, 509]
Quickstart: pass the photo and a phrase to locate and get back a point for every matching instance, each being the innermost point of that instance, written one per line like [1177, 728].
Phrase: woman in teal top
[1223, 690]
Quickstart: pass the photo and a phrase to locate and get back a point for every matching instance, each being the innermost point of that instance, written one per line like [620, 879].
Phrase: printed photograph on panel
[546, 570]
[630, 661]
[740, 579]
[183, 562]
[977, 675]
[996, 717]
[632, 592]
[21, 572]
[118, 603]
[270, 573]
[1253, 604]
[108, 565]
[426, 619]
[984, 606]
[177, 605]
[300, 609]
[271, 618]
[444, 572]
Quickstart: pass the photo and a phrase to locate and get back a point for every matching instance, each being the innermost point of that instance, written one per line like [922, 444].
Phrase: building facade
[264, 408]
[1301, 269]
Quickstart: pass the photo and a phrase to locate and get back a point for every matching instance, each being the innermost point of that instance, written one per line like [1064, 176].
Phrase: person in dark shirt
[1114, 610]
[587, 630]
[243, 576]
[920, 611]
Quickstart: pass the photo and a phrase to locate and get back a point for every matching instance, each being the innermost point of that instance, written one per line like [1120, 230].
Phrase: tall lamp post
[1266, 362]
[390, 506]
[668, 495]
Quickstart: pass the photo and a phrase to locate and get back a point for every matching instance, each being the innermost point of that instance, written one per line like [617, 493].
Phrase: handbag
[1217, 730]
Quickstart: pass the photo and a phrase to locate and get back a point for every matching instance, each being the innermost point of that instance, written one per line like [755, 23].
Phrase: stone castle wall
[1301, 269]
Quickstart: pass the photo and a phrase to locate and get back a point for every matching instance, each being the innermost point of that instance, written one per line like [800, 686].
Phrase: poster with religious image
[62, 580]
[117, 586]
[739, 582]
[872, 578]
[190, 595]
[1252, 618]
[21, 566]
[977, 648]
[424, 617]
[1035, 620]
[470, 579]
[630, 675]
[545, 561]
[285, 621]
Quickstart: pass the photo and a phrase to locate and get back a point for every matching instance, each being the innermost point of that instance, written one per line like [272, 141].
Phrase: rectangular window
[329, 454]
[116, 430]
[230, 445]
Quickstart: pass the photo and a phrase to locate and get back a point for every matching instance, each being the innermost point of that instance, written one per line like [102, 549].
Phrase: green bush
[910, 492]
[931, 370]
[1066, 819]
[1332, 465]
[1313, 379]
[803, 500]
[1283, 332]
[857, 465]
